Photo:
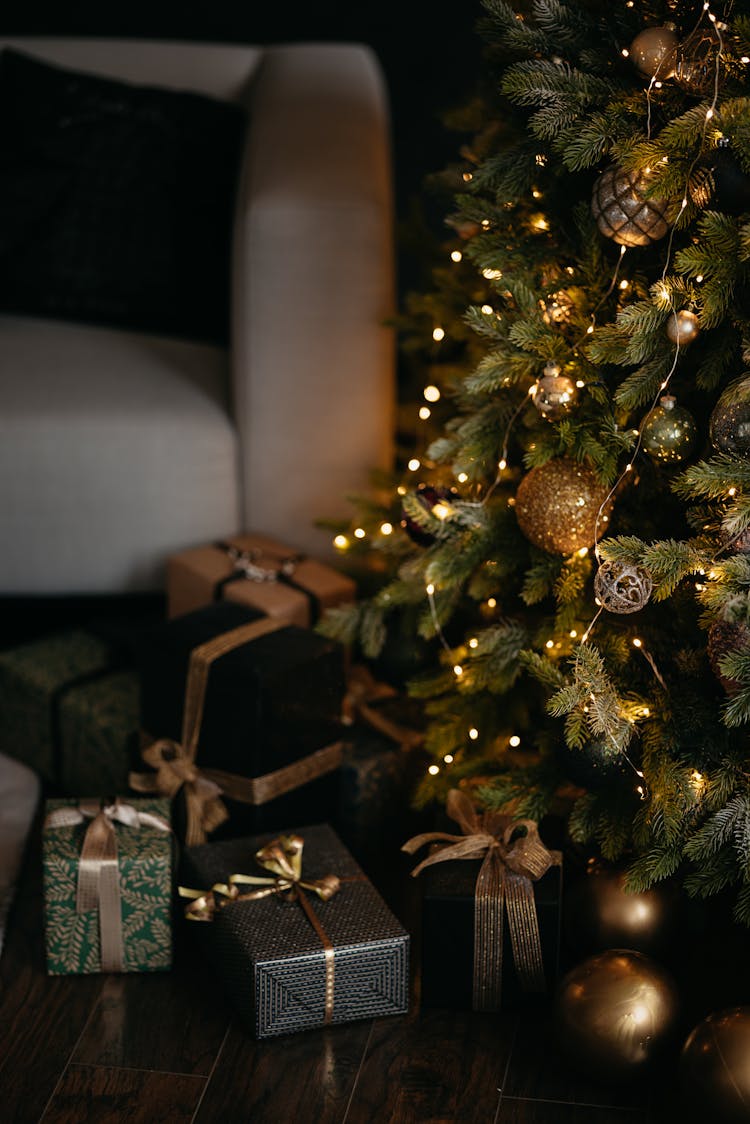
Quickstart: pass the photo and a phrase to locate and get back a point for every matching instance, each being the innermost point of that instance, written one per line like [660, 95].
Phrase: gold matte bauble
[614, 1012]
[729, 425]
[601, 914]
[653, 52]
[621, 587]
[683, 327]
[554, 393]
[557, 505]
[715, 1068]
[622, 211]
[668, 432]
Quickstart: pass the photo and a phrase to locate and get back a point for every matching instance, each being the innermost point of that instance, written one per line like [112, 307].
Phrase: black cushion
[116, 200]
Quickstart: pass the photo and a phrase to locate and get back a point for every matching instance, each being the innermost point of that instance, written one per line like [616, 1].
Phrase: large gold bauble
[557, 505]
[683, 327]
[601, 914]
[715, 1068]
[622, 211]
[614, 1013]
[653, 52]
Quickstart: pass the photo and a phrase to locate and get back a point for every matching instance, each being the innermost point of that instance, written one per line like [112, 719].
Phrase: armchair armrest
[312, 356]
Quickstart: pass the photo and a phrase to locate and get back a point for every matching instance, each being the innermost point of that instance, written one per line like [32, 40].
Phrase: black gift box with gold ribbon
[258, 715]
[295, 955]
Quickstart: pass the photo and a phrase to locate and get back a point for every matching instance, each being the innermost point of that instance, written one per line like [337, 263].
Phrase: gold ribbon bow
[174, 762]
[362, 690]
[510, 863]
[282, 857]
[98, 885]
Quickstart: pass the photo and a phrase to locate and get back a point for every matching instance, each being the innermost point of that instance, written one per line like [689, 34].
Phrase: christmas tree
[571, 548]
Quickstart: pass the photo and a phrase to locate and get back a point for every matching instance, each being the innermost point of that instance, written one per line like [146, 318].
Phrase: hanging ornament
[653, 52]
[724, 639]
[614, 1013]
[695, 61]
[557, 505]
[668, 432]
[714, 1070]
[683, 327]
[731, 184]
[736, 543]
[597, 765]
[621, 587]
[600, 913]
[622, 211]
[729, 425]
[436, 501]
[554, 393]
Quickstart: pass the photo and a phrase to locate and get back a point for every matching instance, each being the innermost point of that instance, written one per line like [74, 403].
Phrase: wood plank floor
[166, 1049]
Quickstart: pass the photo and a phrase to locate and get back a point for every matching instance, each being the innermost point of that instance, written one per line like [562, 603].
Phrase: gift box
[490, 921]
[246, 703]
[258, 572]
[108, 871]
[311, 944]
[68, 713]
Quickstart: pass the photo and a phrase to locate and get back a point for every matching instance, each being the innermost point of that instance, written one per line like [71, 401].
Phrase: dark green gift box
[145, 860]
[67, 713]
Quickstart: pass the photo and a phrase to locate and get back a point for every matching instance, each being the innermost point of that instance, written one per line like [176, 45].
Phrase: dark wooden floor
[165, 1049]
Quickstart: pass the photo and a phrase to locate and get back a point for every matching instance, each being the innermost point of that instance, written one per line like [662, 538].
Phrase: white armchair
[118, 447]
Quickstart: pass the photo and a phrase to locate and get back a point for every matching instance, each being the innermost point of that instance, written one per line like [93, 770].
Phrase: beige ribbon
[174, 762]
[510, 863]
[283, 858]
[362, 690]
[98, 886]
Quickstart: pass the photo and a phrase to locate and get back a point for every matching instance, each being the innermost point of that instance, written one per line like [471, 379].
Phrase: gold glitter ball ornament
[557, 505]
[653, 52]
[623, 213]
[668, 432]
[621, 587]
[614, 1013]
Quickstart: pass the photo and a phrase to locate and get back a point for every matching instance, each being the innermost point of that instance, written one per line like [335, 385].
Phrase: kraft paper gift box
[258, 572]
[491, 915]
[238, 700]
[70, 711]
[298, 952]
[108, 885]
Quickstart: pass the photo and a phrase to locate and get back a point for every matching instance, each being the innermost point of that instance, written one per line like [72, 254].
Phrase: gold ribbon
[510, 863]
[174, 762]
[283, 858]
[98, 885]
[362, 690]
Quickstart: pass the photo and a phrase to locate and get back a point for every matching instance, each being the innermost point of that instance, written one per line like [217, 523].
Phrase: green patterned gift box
[68, 714]
[108, 886]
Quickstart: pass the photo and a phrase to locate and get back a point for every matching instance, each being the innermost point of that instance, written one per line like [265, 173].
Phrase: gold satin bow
[98, 885]
[362, 689]
[510, 863]
[175, 770]
[283, 858]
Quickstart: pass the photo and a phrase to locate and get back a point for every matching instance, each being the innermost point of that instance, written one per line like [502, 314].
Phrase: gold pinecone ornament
[622, 211]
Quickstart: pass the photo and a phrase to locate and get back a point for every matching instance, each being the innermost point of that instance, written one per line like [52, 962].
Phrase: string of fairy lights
[432, 395]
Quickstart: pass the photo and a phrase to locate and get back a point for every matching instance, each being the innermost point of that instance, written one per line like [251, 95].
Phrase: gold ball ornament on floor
[557, 505]
[683, 327]
[614, 1012]
[622, 211]
[668, 432]
[729, 425]
[653, 52]
[601, 914]
[714, 1068]
[621, 587]
[554, 393]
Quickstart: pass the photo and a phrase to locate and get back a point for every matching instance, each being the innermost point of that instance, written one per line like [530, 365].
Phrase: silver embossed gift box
[297, 933]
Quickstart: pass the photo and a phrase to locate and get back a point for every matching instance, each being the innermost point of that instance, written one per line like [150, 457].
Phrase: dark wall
[428, 51]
